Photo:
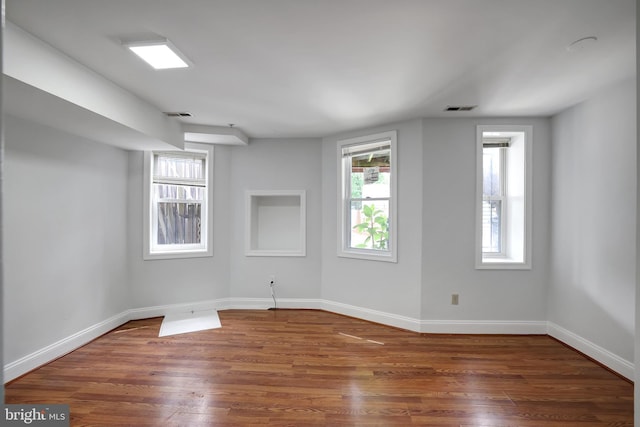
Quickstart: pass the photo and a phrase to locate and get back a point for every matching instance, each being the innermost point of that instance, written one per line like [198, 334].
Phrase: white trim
[376, 316]
[251, 220]
[502, 264]
[51, 352]
[59, 348]
[509, 327]
[614, 362]
[162, 310]
[267, 303]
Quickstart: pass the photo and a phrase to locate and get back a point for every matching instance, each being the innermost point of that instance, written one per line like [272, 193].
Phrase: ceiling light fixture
[161, 54]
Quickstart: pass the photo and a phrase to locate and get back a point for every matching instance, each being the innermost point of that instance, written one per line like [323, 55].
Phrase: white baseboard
[510, 327]
[266, 303]
[66, 345]
[162, 310]
[602, 355]
[51, 352]
[376, 316]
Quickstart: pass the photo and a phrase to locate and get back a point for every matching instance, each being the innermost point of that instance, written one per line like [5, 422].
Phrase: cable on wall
[272, 285]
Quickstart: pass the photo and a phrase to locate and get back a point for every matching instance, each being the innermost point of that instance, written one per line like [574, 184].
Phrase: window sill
[368, 255]
[502, 263]
[177, 255]
[275, 253]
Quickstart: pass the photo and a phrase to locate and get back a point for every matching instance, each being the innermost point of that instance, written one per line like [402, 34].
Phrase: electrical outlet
[455, 299]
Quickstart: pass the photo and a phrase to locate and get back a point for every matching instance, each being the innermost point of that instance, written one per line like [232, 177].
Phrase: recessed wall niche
[275, 223]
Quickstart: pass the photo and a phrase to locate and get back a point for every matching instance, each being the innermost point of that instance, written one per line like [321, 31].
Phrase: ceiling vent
[460, 107]
[177, 114]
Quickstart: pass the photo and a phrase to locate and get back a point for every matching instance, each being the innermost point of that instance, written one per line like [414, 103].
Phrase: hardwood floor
[306, 367]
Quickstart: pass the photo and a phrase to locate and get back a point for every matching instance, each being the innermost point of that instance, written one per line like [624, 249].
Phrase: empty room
[319, 212]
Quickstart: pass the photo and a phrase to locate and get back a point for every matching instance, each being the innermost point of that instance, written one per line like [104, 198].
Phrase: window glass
[168, 166]
[370, 225]
[491, 171]
[179, 215]
[492, 185]
[369, 205]
[491, 226]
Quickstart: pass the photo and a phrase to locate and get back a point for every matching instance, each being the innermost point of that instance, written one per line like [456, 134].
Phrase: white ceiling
[306, 68]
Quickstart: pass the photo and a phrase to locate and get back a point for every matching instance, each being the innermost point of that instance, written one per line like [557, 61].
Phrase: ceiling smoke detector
[460, 107]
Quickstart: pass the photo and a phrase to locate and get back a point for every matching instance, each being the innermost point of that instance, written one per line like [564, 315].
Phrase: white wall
[180, 281]
[65, 235]
[637, 300]
[593, 246]
[390, 288]
[262, 165]
[89, 253]
[2, 11]
[448, 235]
[37, 64]
[266, 164]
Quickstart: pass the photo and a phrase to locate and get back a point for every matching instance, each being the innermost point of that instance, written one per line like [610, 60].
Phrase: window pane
[491, 226]
[491, 170]
[179, 223]
[370, 175]
[370, 225]
[179, 167]
[178, 192]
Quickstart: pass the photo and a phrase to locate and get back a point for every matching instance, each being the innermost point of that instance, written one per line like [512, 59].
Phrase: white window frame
[205, 248]
[344, 206]
[516, 235]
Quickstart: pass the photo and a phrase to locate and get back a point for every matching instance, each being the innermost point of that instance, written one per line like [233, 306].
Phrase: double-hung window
[177, 200]
[493, 196]
[367, 197]
[503, 230]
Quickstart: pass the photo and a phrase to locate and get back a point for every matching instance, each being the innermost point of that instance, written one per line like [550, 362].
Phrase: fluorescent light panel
[160, 54]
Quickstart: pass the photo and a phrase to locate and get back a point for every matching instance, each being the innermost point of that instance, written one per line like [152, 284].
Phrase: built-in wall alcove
[275, 223]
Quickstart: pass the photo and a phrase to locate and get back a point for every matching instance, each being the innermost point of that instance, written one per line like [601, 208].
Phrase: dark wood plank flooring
[307, 367]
